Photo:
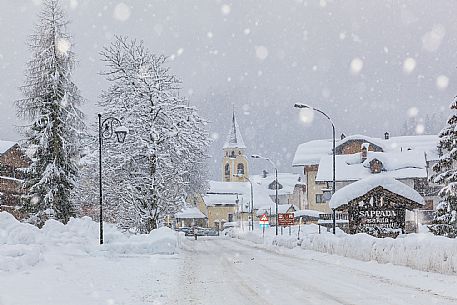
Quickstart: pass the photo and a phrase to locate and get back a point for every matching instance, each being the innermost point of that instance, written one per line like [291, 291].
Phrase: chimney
[376, 166]
[364, 151]
[342, 136]
[386, 136]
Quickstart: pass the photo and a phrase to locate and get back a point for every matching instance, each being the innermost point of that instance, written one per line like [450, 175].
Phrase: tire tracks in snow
[278, 251]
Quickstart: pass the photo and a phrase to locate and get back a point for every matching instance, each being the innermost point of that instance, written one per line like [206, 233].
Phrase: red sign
[285, 219]
[264, 219]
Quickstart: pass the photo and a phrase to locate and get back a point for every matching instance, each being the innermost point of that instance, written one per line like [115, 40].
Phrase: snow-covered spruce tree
[50, 104]
[445, 220]
[164, 153]
[85, 194]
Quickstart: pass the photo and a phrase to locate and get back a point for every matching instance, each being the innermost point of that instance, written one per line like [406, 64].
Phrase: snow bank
[23, 245]
[18, 247]
[160, 241]
[421, 251]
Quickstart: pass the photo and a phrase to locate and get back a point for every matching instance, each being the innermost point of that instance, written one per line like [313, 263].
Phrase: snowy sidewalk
[77, 280]
[65, 265]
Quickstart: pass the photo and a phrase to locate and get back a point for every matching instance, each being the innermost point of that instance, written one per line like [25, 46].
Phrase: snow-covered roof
[234, 138]
[311, 152]
[287, 180]
[5, 145]
[226, 193]
[228, 187]
[366, 139]
[361, 187]
[399, 165]
[190, 213]
[307, 213]
[282, 208]
[220, 199]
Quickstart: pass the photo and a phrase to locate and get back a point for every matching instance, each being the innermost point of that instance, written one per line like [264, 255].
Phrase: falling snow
[431, 41]
[356, 66]
[413, 112]
[261, 52]
[409, 65]
[442, 82]
[121, 12]
[225, 9]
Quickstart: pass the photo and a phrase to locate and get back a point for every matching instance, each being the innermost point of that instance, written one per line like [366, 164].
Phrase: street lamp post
[252, 201]
[276, 185]
[300, 105]
[252, 204]
[107, 132]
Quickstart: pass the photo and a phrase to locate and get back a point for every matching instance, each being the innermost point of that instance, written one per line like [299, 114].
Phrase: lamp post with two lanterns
[106, 130]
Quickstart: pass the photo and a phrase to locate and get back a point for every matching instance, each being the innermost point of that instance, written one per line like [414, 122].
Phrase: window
[240, 169]
[227, 169]
[319, 198]
[230, 217]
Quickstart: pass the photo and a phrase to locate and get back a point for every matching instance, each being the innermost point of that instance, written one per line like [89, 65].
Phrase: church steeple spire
[234, 138]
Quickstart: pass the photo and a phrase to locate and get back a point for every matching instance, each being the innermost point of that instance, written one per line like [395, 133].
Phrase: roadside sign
[263, 219]
[263, 222]
[285, 219]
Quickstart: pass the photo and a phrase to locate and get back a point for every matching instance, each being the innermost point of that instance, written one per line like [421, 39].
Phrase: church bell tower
[234, 163]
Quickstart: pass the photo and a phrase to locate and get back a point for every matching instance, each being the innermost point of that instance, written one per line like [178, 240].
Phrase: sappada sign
[379, 217]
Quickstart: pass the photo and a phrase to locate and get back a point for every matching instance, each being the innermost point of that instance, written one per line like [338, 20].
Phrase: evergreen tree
[445, 222]
[85, 196]
[51, 106]
[164, 155]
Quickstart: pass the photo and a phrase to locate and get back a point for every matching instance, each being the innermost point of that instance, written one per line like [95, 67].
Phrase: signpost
[264, 223]
[299, 227]
[286, 219]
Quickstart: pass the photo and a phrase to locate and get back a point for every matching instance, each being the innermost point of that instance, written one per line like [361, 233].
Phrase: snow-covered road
[227, 271]
[217, 270]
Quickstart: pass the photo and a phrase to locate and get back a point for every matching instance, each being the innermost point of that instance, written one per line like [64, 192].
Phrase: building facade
[408, 159]
[13, 163]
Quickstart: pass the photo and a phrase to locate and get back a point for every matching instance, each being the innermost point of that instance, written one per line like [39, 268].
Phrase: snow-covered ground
[60, 265]
[63, 265]
[422, 251]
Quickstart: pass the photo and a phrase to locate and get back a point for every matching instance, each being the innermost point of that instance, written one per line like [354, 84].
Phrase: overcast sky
[369, 64]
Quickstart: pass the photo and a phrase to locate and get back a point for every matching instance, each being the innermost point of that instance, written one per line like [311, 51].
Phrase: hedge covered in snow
[23, 245]
[421, 251]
